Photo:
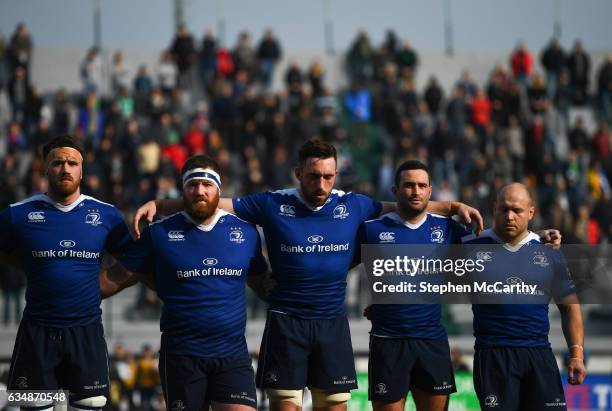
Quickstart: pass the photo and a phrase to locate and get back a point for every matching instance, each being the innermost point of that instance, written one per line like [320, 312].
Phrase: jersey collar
[398, 219]
[205, 227]
[62, 207]
[489, 232]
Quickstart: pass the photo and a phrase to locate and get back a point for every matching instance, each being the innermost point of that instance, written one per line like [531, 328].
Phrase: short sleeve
[563, 284]
[119, 237]
[370, 209]
[139, 256]
[360, 239]
[251, 208]
[7, 240]
[258, 264]
[458, 232]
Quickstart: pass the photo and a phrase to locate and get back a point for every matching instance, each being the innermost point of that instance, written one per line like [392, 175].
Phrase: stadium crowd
[476, 137]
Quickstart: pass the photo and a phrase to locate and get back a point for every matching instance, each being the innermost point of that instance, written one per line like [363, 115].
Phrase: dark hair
[62, 141]
[409, 165]
[316, 149]
[200, 161]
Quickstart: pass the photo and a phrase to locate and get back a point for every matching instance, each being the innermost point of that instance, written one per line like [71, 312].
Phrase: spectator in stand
[459, 365]
[91, 71]
[391, 41]
[480, 106]
[4, 63]
[147, 376]
[521, 62]
[579, 66]
[602, 144]
[358, 102]
[268, 54]
[20, 93]
[12, 283]
[120, 76]
[433, 95]
[195, 139]
[91, 119]
[604, 89]
[457, 111]
[225, 63]
[407, 58]
[183, 52]
[316, 76]
[294, 75]
[536, 94]
[167, 73]
[244, 55]
[467, 85]
[360, 59]
[20, 48]
[208, 58]
[553, 60]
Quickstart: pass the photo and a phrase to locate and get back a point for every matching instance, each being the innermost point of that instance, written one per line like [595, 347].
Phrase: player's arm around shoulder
[573, 330]
[115, 278]
[259, 278]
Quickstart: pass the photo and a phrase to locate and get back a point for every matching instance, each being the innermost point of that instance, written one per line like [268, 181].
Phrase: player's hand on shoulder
[551, 237]
[469, 215]
[148, 211]
[576, 371]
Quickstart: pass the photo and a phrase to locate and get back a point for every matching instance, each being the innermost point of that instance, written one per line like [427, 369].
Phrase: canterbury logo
[176, 235]
[387, 236]
[36, 216]
[287, 209]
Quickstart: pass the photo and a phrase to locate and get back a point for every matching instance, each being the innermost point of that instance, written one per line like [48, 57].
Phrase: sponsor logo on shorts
[539, 258]
[210, 261]
[176, 235]
[491, 401]
[177, 405]
[242, 396]
[341, 212]
[315, 239]
[36, 217]
[95, 386]
[386, 237]
[556, 403]
[444, 386]
[22, 382]
[93, 218]
[236, 235]
[344, 380]
[381, 388]
[287, 210]
[67, 243]
[271, 376]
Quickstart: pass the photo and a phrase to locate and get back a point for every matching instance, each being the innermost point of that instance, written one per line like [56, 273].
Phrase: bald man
[514, 367]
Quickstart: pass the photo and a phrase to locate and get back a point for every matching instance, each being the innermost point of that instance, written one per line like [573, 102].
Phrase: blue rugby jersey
[310, 248]
[61, 248]
[518, 325]
[410, 320]
[200, 275]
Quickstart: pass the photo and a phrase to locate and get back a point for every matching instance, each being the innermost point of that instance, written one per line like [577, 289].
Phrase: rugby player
[60, 237]
[514, 367]
[199, 259]
[409, 348]
[310, 233]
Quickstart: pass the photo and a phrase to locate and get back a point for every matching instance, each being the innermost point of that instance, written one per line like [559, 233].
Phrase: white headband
[71, 148]
[202, 174]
